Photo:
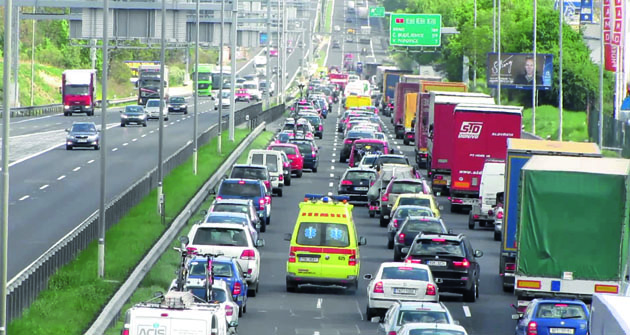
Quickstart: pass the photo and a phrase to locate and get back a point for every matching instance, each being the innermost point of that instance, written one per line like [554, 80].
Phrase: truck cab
[77, 91]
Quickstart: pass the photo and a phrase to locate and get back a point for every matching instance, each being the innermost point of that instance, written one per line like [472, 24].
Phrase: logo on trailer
[470, 130]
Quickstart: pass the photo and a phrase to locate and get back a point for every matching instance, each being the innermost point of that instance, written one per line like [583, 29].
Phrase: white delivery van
[273, 161]
[492, 182]
[176, 314]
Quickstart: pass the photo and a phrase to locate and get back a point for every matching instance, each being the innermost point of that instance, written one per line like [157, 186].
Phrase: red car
[361, 147]
[293, 153]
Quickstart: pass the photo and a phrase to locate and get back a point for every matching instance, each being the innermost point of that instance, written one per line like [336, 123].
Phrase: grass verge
[328, 24]
[75, 295]
[574, 124]
[161, 275]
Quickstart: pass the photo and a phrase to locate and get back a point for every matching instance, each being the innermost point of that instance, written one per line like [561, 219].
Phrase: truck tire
[122, 124]
[471, 221]
[299, 174]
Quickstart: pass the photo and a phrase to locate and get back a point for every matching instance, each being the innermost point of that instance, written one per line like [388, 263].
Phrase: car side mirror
[478, 253]
[516, 316]
[67, 130]
[404, 251]
[368, 276]
[287, 237]
[260, 243]
[247, 275]
[375, 319]
[233, 324]
[362, 240]
[184, 240]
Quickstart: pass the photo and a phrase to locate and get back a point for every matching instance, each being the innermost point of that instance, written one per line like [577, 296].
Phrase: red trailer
[440, 127]
[481, 132]
[399, 106]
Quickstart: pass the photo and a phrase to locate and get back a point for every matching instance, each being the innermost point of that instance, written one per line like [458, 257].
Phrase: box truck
[609, 315]
[399, 106]
[77, 91]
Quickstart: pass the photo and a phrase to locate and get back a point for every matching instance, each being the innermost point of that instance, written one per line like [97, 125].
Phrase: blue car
[233, 188]
[553, 316]
[225, 269]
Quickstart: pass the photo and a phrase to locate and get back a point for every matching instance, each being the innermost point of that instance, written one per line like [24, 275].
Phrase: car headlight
[142, 116]
[70, 137]
[66, 107]
[124, 116]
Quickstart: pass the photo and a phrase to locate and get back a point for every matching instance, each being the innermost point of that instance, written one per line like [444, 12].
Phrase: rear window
[405, 273]
[415, 201]
[323, 234]
[372, 147]
[358, 175]
[220, 236]
[418, 226]
[360, 134]
[258, 159]
[218, 269]
[422, 316]
[304, 147]
[225, 219]
[438, 247]
[232, 208]
[241, 190]
[404, 212]
[248, 173]
[272, 163]
[218, 294]
[560, 311]
[286, 150]
[406, 188]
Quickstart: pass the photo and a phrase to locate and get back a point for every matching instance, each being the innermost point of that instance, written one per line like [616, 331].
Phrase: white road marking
[90, 161]
[466, 311]
[331, 184]
[329, 194]
[135, 139]
[125, 144]
[43, 187]
[61, 177]
[332, 167]
[332, 175]
[144, 135]
[359, 309]
[395, 142]
[76, 169]
[319, 301]
[358, 330]
[115, 149]
[316, 333]
[398, 147]
[332, 160]
[24, 197]
[151, 132]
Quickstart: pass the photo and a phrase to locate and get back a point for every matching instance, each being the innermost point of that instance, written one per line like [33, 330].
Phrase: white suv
[233, 240]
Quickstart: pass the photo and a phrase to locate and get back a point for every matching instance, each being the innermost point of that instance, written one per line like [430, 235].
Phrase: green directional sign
[377, 11]
[415, 30]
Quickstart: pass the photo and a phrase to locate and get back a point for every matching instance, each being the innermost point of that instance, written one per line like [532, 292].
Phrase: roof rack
[326, 198]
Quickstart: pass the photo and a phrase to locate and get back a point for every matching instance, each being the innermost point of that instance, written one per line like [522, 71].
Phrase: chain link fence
[616, 134]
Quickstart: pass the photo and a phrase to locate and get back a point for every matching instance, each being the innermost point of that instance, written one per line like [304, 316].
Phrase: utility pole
[221, 76]
[534, 87]
[284, 50]
[6, 114]
[600, 138]
[33, 60]
[499, 53]
[560, 102]
[268, 75]
[16, 55]
[161, 204]
[103, 153]
[233, 66]
[475, 48]
[196, 89]
[278, 42]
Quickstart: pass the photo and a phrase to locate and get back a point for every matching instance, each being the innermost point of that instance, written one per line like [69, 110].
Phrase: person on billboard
[527, 76]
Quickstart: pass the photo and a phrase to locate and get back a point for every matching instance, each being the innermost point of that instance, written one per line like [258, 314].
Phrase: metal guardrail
[24, 287]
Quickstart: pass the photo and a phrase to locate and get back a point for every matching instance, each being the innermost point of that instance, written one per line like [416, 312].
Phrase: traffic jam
[538, 200]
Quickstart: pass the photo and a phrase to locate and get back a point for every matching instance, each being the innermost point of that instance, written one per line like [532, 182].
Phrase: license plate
[360, 188]
[404, 290]
[439, 182]
[308, 259]
[82, 141]
[436, 263]
[561, 330]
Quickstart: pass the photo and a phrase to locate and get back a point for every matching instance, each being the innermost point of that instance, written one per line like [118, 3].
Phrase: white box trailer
[610, 315]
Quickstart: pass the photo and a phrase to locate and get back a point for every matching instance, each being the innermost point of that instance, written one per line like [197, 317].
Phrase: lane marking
[135, 139]
[144, 135]
[332, 175]
[115, 149]
[359, 309]
[90, 161]
[467, 311]
[125, 144]
[319, 301]
[331, 184]
[24, 197]
[151, 132]
[332, 160]
[61, 177]
[332, 167]
[76, 169]
[330, 194]
[398, 147]
[43, 187]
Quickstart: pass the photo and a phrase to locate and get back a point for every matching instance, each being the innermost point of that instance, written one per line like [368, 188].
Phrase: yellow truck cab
[324, 247]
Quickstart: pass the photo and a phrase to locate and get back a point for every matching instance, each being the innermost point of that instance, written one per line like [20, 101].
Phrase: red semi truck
[439, 128]
[77, 91]
[480, 132]
[399, 106]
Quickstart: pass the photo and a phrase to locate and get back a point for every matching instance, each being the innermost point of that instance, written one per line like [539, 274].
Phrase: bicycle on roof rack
[188, 277]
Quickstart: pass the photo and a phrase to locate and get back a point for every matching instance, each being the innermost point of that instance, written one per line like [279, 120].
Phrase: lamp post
[103, 143]
[8, 6]
[196, 89]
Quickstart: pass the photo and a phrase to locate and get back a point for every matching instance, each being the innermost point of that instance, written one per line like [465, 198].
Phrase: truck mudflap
[527, 288]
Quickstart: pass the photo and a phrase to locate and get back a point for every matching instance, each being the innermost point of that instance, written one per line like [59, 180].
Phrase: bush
[119, 72]
[176, 76]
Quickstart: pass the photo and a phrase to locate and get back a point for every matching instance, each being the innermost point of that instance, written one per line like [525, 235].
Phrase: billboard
[517, 70]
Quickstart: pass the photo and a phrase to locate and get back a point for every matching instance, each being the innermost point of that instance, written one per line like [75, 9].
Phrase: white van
[492, 182]
[273, 161]
[176, 314]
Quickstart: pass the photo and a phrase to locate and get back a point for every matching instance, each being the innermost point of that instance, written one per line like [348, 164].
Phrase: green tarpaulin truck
[573, 227]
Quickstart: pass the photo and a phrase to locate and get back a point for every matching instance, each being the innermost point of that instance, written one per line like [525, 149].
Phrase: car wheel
[97, 147]
[240, 312]
[299, 174]
[291, 287]
[268, 220]
[397, 255]
[166, 119]
[314, 169]
[244, 307]
[252, 292]
[321, 136]
[471, 222]
[471, 295]
[263, 227]
[406, 142]
[287, 180]
[352, 288]
[68, 147]
[122, 124]
[372, 213]
[280, 192]
[454, 208]
[369, 313]
[144, 124]
[185, 112]
[497, 236]
[383, 221]
[390, 244]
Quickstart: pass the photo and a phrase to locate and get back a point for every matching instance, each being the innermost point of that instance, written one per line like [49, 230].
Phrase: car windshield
[433, 331]
[314, 120]
[359, 175]
[153, 103]
[226, 95]
[83, 128]
[405, 273]
[225, 219]
[323, 234]
[414, 201]
[221, 269]
[134, 109]
[76, 90]
[370, 147]
[560, 311]
[220, 236]
[438, 246]
[240, 190]
[360, 134]
[263, 84]
[231, 208]
[248, 172]
[272, 163]
[368, 160]
[422, 226]
[286, 150]
[422, 316]
[178, 100]
[403, 187]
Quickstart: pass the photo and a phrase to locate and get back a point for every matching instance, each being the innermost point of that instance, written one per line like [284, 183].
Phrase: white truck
[366, 32]
[260, 65]
[609, 315]
[176, 314]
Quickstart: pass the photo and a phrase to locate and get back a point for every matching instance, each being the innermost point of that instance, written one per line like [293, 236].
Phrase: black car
[83, 134]
[316, 122]
[133, 114]
[452, 260]
[356, 182]
[178, 104]
[411, 227]
[336, 44]
[309, 152]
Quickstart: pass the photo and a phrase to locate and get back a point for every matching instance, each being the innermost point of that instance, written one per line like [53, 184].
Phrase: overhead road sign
[377, 12]
[415, 30]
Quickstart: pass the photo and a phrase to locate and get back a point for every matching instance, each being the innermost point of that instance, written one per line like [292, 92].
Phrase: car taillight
[378, 287]
[281, 178]
[313, 154]
[268, 199]
[291, 256]
[439, 177]
[219, 197]
[510, 267]
[401, 238]
[532, 328]
[500, 215]
[391, 333]
[395, 221]
[409, 136]
[261, 204]
[267, 184]
[385, 197]
[463, 264]
[321, 128]
[229, 310]
[347, 141]
[430, 289]
[237, 289]
[346, 182]
[413, 260]
[248, 254]
[352, 260]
